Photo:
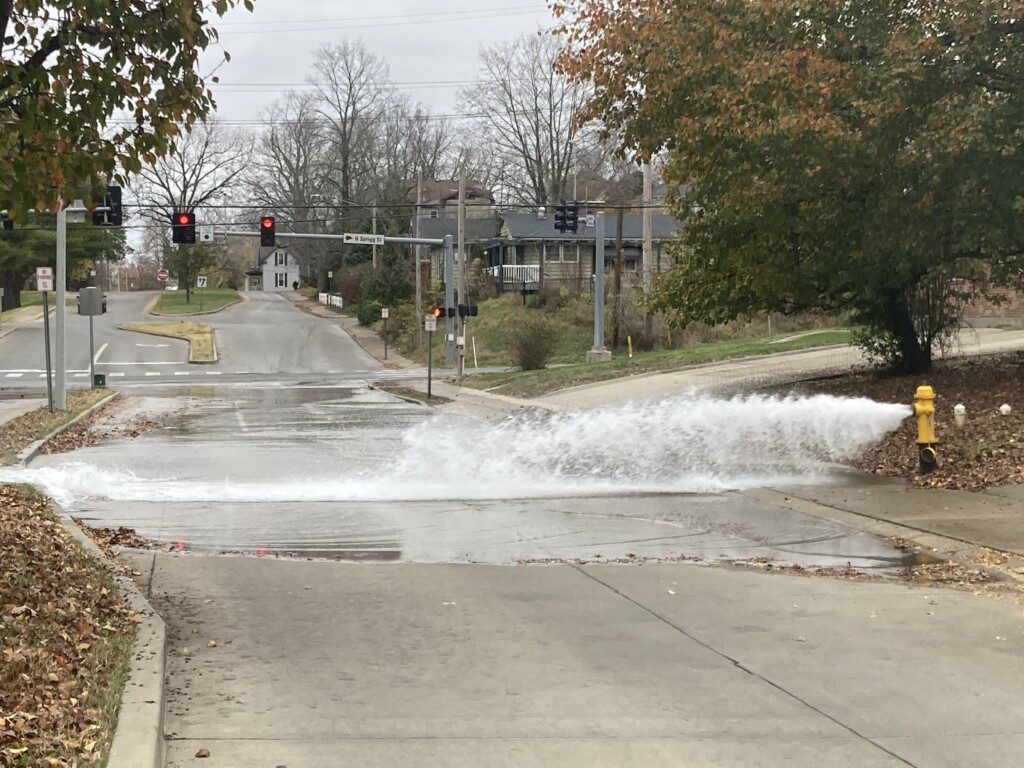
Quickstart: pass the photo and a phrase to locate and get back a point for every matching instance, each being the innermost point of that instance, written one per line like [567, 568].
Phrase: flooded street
[353, 473]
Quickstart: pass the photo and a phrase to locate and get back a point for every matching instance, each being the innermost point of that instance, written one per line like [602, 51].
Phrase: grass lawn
[204, 300]
[534, 383]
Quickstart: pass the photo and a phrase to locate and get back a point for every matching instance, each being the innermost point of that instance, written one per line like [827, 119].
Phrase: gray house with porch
[529, 253]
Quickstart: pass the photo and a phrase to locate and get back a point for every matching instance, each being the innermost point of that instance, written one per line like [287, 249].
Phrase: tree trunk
[914, 357]
[12, 281]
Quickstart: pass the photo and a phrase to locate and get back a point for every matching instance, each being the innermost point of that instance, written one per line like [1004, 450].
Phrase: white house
[278, 271]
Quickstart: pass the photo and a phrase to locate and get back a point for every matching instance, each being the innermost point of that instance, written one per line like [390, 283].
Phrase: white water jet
[688, 444]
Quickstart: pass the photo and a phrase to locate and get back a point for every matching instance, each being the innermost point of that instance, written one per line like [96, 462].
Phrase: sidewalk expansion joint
[742, 667]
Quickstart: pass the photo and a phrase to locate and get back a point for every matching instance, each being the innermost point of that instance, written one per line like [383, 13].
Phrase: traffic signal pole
[449, 298]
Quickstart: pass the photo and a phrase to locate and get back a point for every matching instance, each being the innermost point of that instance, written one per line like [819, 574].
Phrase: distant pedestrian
[295, 285]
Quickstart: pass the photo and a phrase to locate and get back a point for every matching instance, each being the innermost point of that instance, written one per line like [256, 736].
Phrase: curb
[29, 453]
[139, 734]
[951, 549]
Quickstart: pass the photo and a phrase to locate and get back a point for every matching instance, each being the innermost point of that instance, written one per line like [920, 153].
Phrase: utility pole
[417, 254]
[460, 331]
[374, 232]
[648, 257]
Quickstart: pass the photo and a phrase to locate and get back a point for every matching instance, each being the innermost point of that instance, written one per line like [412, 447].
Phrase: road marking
[182, 373]
[112, 375]
[161, 362]
[14, 375]
[153, 346]
[96, 357]
[152, 373]
[213, 373]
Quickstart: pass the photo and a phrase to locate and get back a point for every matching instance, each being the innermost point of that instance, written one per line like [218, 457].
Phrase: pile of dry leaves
[987, 451]
[19, 433]
[65, 641]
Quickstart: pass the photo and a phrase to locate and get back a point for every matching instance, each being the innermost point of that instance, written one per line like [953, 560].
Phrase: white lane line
[112, 375]
[96, 357]
[182, 373]
[14, 375]
[152, 373]
[241, 421]
[81, 375]
[162, 362]
[213, 373]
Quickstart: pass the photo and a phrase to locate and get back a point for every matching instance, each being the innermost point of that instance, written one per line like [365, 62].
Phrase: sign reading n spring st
[359, 238]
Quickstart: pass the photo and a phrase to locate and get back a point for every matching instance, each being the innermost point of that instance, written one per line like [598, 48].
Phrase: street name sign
[359, 238]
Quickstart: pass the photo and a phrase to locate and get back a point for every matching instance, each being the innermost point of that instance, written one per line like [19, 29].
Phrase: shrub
[532, 341]
[367, 311]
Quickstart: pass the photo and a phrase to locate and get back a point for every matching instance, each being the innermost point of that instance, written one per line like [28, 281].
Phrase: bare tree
[289, 173]
[353, 93]
[527, 111]
[204, 171]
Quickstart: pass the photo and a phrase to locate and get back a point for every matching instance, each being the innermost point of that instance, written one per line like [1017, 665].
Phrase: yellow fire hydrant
[924, 410]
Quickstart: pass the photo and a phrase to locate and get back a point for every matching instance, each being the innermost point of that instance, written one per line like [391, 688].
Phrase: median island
[199, 336]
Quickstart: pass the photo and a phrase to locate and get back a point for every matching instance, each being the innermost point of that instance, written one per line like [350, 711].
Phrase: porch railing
[516, 273]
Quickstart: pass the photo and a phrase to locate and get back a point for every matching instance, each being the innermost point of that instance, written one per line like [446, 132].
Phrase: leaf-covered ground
[65, 641]
[987, 451]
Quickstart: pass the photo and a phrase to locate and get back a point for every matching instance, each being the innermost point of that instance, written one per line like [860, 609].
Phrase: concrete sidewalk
[290, 663]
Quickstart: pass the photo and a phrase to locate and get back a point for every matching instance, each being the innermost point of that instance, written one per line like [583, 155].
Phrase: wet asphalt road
[352, 473]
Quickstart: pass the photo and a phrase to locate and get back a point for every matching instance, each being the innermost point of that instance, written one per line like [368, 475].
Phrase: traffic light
[183, 227]
[114, 204]
[268, 236]
[572, 217]
[111, 201]
[439, 312]
[467, 310]
[560, 217]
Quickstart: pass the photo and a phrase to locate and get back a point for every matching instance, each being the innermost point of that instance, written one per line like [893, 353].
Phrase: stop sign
[162, 275]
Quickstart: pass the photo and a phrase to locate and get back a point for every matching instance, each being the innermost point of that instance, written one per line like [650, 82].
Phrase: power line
[432, 14]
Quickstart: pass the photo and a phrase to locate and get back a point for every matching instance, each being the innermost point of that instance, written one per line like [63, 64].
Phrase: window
[280, 280]
[280, 259]
[561, 252]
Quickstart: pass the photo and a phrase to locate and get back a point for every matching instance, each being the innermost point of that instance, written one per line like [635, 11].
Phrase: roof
[530, 226]
[476, 229]
[435, 190]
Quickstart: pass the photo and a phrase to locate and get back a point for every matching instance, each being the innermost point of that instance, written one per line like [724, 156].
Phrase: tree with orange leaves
[863, 156]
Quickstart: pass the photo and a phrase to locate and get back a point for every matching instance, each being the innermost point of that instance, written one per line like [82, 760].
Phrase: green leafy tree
[71, 68]
[864, 156]
[34, 244]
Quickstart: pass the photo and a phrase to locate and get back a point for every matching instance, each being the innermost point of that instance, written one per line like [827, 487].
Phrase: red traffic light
[268, 235]
[439, 312]
[183, 227]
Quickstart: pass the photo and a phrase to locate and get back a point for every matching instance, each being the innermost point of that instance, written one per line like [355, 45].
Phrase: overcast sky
[431, 48]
